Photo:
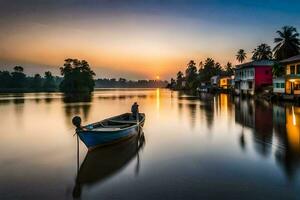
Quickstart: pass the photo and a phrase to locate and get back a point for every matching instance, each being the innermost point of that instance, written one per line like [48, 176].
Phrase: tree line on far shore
[287, 44]
[77, 77]
[18, 81]
[123, 83]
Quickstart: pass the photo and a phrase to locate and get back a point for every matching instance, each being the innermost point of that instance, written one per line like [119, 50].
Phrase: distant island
[77, 77]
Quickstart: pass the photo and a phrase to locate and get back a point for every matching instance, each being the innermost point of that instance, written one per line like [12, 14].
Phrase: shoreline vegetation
[198, 77]
[77, 77]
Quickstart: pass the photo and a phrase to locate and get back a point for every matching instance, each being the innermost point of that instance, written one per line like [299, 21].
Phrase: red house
[251, 76]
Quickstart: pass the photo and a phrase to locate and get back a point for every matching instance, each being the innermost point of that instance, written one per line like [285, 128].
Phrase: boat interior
[115, 123]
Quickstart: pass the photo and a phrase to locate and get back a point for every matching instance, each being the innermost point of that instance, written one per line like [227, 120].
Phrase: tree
[241, 55]
[18, 77]
[19, 69]
[78, 76]
[49, 83]
[191, 74]
[287, 44]
[209, 69]
[36, 82]
[278, 70]
[228, 69]
[262, 52]
[179, 79]
[5, 79]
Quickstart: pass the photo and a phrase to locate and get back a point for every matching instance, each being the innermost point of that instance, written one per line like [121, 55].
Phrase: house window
[282, 85]
[292, 69]
[297, 86]
[298, 69]
[277, 85]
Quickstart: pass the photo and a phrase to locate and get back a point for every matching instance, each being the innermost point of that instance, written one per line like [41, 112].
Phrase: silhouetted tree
[78, 76]
[210, 68]
[191, 74]
[228, 69]
[49, 83]
[36, 82]
[287, 44]
[179, 79]
[262, 52]
[18, 77]
[5, 79]
[241, 55]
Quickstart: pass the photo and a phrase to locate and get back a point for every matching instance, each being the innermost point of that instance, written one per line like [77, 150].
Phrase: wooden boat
[102, 163]
[111, 130]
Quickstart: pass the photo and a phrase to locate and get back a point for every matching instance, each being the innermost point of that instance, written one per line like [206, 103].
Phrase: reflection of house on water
[287, 130]
[103, 163]
[266, 120]
[258, 117]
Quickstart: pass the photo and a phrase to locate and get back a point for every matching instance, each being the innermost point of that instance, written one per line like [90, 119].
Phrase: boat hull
[93, 139]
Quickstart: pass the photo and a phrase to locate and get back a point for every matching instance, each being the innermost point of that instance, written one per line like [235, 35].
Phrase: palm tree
[179, 75]
[241, 55]
[287, 44]
[262, 52]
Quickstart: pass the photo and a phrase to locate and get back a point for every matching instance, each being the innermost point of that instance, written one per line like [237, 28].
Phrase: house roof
[291, 59]
[256, 63]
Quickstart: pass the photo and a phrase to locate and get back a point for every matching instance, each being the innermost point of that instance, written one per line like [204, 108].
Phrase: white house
[279, 85]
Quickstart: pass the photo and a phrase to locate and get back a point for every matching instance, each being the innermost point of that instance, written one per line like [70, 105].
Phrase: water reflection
[267, 121]
[77, 104]
[197, 143]
[287, 132]
[102, 163]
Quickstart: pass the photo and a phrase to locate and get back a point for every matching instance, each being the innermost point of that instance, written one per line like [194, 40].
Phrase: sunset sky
[133, 38]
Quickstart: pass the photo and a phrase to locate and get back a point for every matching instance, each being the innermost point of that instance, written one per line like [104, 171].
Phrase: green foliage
[78, 76]
[37, 81]
[191, 75]
[5, 79]
[278, 70]
[179, 80]
[18, 77]
[287, 44]
[17, 81]
[229, 71]
[49, 83]
[262, 52]
[209, 69]
[241, 55]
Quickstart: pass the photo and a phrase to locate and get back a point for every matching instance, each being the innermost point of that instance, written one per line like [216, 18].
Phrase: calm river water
[210, 147]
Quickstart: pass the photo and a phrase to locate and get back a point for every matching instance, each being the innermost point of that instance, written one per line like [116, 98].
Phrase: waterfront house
[225, 82]
[252, 76]
[292, 75]
[279, 85]
[214, 81]
[204, 87]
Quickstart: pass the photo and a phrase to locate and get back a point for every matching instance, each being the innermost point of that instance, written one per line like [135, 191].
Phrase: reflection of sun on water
[157, 99]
